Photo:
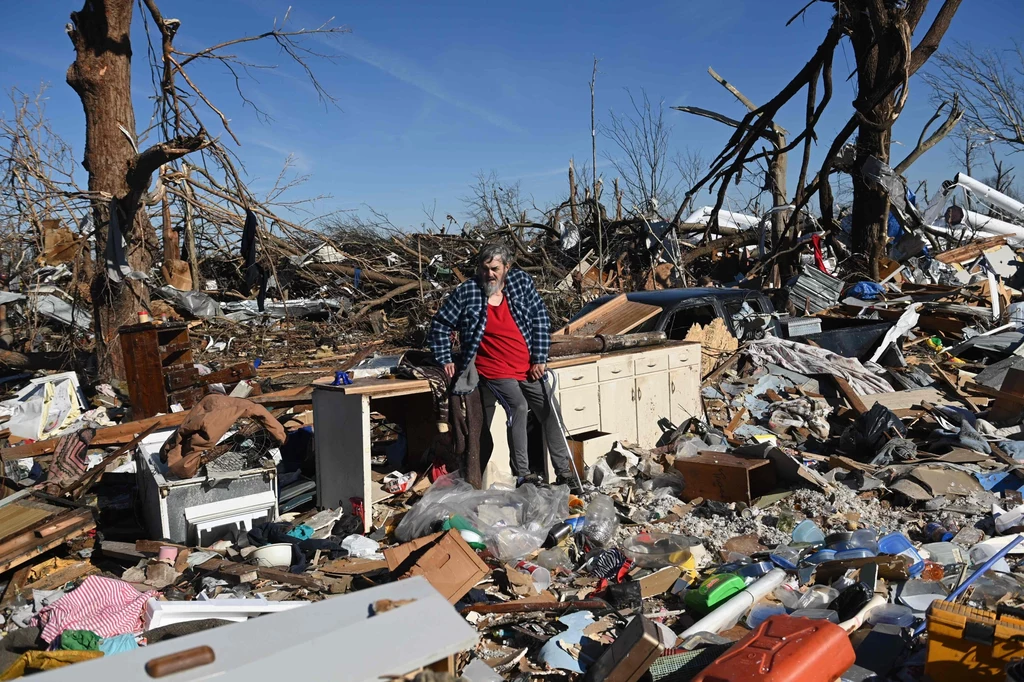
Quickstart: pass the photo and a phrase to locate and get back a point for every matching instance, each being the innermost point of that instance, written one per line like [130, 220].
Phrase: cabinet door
[684, 394]
[618, 408]
[652, 405]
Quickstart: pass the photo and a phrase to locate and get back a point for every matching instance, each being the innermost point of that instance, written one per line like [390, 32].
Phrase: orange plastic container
[785, 649]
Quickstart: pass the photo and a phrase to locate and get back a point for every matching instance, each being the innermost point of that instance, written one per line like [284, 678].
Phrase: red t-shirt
[503, 353]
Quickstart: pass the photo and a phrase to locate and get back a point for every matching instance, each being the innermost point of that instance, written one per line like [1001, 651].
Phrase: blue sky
[432, 93]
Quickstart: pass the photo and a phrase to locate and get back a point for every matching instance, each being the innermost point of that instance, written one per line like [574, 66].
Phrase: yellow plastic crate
[971, 644]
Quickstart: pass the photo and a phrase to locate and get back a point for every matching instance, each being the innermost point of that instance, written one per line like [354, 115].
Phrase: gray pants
[519, 398]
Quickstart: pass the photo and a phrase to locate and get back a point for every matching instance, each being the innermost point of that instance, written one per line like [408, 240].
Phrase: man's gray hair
[495, 250]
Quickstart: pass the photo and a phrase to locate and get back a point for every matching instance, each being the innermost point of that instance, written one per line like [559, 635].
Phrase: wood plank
[58, 578]
[905, 400]
[851, 396]
[970, 251]
[15, 518]
[108, 435]
[377, 388]
[353, 566]
[33, 547]
[601, 312]
[620, 319]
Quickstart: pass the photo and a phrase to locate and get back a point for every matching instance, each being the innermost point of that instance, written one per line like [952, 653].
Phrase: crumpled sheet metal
[806, 359]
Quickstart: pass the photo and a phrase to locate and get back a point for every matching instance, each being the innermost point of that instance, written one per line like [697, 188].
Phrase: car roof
[667, 297]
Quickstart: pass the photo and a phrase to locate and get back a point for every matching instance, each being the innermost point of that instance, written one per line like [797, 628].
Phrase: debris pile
[845, 480]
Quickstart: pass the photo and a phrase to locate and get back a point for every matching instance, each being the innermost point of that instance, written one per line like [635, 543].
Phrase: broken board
[617, 316]
[902, 400]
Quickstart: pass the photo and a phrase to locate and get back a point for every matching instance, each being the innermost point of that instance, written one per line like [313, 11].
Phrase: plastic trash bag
[513, 523]
[866, 436]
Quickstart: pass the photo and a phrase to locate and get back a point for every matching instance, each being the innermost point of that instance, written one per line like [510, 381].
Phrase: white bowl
[278, 555]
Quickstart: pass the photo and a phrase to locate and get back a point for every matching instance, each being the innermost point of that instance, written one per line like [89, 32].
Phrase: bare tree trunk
[574, 211]
[101, 75]
[881, 53]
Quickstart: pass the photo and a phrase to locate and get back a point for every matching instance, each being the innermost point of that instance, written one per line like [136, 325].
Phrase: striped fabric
[106, 606]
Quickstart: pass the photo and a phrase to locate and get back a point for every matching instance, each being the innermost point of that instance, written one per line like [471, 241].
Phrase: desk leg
[341, 429]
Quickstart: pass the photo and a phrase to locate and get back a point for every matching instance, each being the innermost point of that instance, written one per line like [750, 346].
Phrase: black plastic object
[873, 429]
[851, 342]
[851, 600]
[624, 595]
[559, 532]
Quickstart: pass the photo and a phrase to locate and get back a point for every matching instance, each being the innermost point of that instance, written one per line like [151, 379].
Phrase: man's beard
[491, 288]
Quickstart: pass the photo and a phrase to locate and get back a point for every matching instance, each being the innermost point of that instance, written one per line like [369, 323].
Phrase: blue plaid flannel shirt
[465, 311]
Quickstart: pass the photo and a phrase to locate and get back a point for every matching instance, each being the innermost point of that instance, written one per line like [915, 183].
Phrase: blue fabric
[866, 291]
[118, 644]
[465, 312]
[302, 532]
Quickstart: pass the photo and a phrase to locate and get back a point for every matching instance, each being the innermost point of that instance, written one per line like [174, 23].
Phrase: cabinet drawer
[651, 362]
[684, 355]
[579, 408]
[607, 370]
[580, 375]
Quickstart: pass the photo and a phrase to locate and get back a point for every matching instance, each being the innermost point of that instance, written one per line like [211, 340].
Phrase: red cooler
[785, 649]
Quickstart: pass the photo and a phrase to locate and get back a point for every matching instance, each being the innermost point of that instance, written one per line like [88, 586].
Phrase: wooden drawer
[609, 370]
[684, 355]
[648, 363]
[579, 408]
[580, 375]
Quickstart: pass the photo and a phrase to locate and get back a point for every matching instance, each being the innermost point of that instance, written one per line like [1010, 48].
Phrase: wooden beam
[851, 396]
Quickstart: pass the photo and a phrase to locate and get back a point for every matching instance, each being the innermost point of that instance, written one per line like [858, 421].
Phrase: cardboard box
[587, 448]
[444, 559]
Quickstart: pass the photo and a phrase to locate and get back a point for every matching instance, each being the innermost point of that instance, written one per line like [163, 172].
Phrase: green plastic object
[713, 592]
[470, 534]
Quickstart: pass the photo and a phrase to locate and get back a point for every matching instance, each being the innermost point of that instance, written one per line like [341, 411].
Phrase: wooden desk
[625, 393]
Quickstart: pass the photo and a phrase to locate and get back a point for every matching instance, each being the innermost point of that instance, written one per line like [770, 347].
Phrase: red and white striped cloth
[106, 606]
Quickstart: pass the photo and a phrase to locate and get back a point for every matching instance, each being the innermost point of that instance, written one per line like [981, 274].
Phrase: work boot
[571, 481]
[535, 479]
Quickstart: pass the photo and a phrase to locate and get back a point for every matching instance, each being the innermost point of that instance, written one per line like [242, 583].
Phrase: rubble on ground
[853, 486]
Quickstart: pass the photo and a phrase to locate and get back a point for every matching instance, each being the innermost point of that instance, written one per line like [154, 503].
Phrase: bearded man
[505, 334]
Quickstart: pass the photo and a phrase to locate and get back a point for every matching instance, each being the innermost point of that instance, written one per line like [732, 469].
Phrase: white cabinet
[652, 405]
[638, 390]
[684, 394]
[618, 408]
[624, 394]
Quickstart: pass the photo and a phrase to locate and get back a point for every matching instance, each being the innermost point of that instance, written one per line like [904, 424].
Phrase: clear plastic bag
[513, 523]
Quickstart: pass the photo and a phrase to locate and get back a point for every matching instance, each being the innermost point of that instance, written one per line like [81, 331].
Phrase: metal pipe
[991, 196]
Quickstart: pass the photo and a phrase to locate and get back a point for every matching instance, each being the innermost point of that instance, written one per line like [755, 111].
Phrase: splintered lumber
[970, 251]
[107, 435]
[246, 573]
[124, 433]
[851, 396]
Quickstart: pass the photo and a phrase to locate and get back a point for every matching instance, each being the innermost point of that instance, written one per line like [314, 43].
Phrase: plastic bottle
[817, 614]
[555, 558]
[602, 521]
[541, 576]
[788, 594]
[762, 612]
[817, 597]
